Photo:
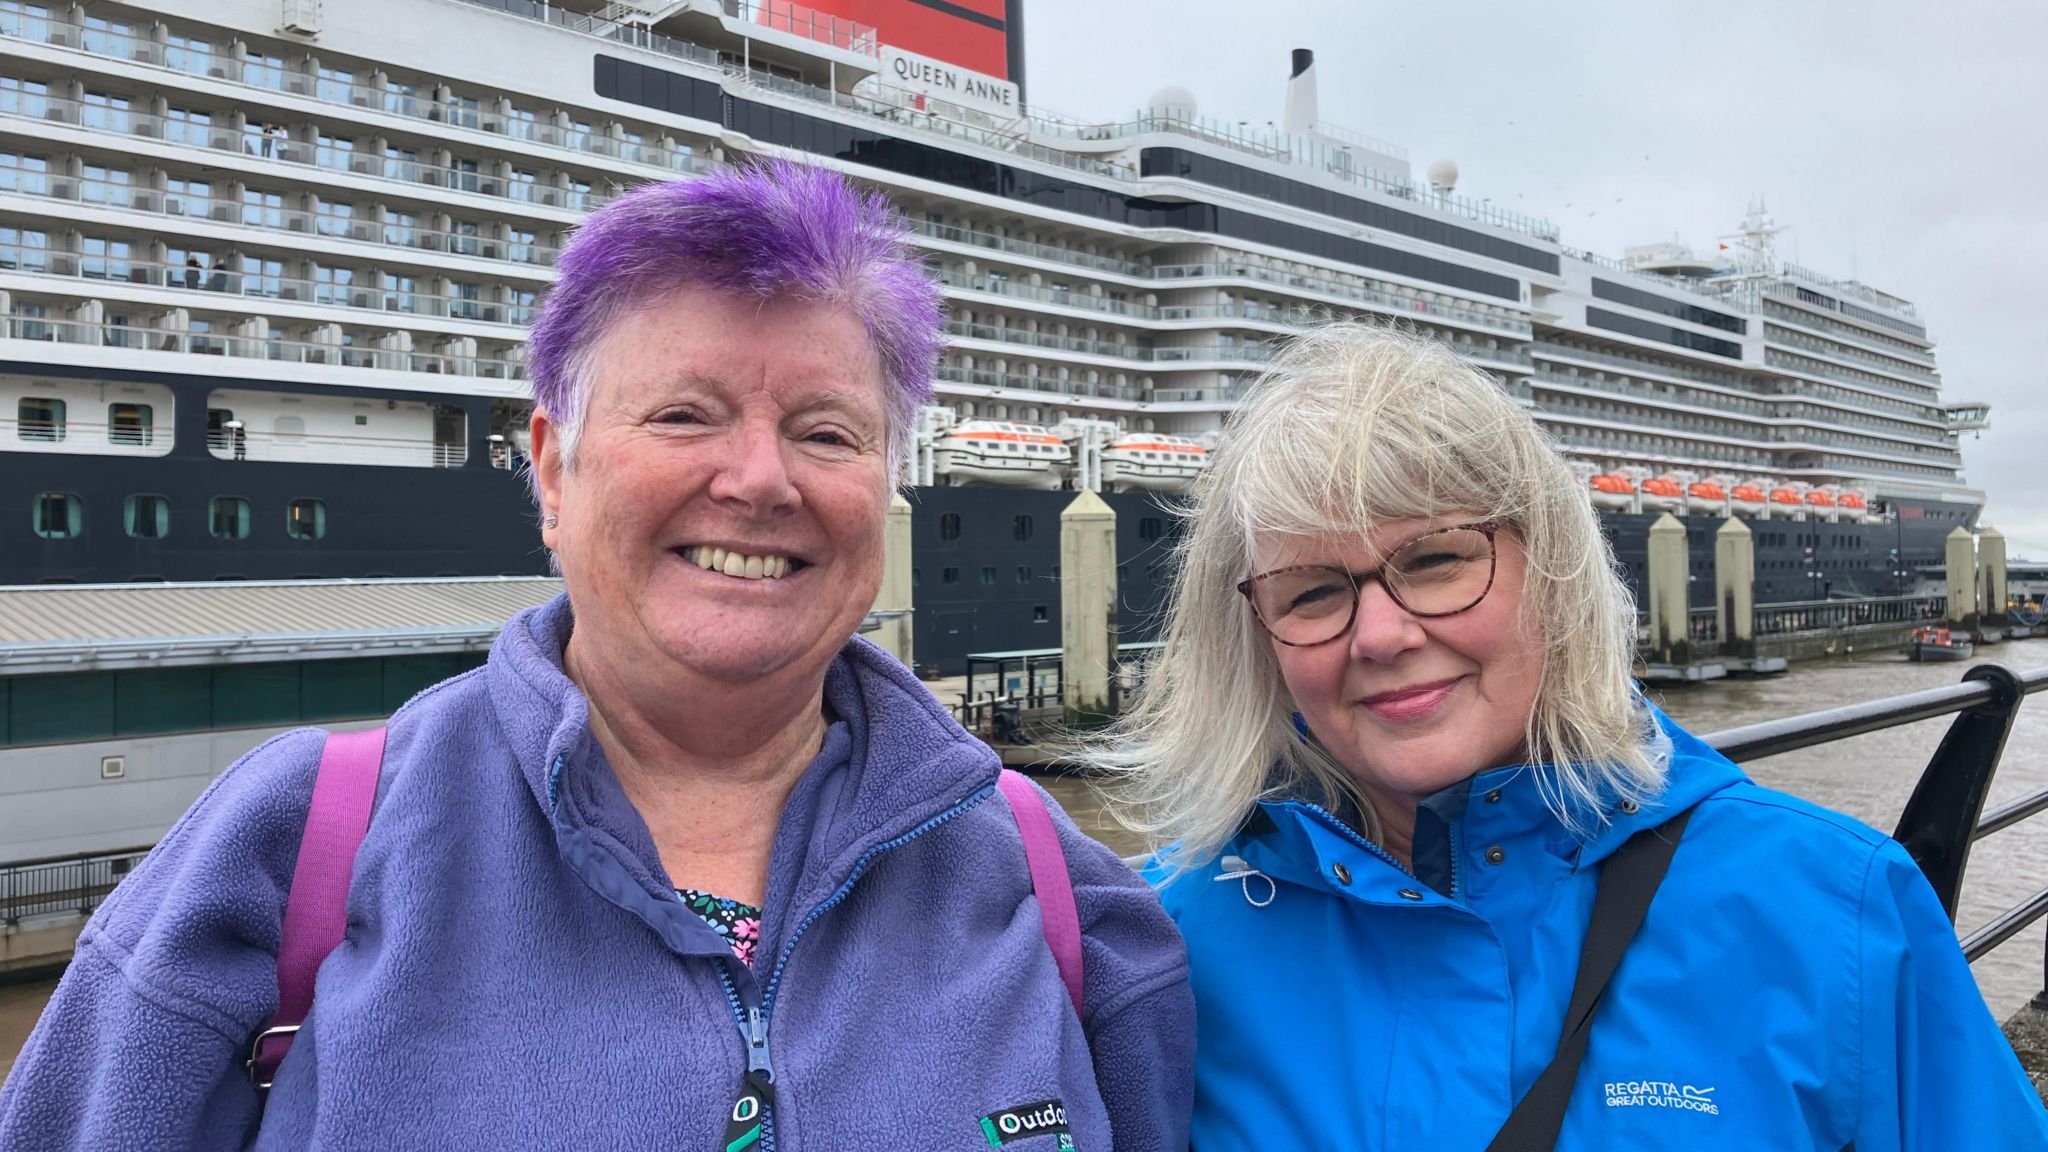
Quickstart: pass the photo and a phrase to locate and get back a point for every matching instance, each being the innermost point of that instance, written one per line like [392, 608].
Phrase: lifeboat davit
[1150, 462]
[1663, 494]
[1707, 495]
[1612, 491]
[1000, 452]
[1747, 499]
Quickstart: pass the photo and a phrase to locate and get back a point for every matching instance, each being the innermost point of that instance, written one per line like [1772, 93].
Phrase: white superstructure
[370, 195]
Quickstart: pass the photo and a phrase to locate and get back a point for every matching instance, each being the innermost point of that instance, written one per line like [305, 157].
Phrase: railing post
[1940, 821]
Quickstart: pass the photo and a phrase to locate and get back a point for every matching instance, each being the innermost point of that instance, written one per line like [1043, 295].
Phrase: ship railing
[1392, 302]
[137, 433]
[1065, 298]
[273, 347]
[62, 885]
[1610, 264]
[1785, 425]
[401, 169]
[1005, 335]
[1776, 303]
[1802, 365]
[955, 234]
[1876, 361]
[1620, 441]
[340, 88]
[1550, 348]
[1828, 615]
[272, 445]
[247, 286]
[1758, 408]
[362, 229]
[1852, 289]
[797, 20]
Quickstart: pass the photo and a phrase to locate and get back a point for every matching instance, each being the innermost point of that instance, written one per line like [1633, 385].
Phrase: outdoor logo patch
[1045, 1118]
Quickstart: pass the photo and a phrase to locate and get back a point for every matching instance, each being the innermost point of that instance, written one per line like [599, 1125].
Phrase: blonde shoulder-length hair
[1350, 427]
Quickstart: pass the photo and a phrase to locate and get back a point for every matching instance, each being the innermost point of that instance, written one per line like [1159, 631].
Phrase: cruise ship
[266, 268]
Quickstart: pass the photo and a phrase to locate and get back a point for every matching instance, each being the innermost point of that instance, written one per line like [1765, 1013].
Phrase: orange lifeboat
[1663, 494]
[1786, 498]
[1706, 496]
[1853, 502]
[1747, 498]
[1612, 490]
[1820, 499]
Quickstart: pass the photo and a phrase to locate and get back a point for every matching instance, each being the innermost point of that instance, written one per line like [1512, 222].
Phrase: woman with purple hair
[685, 864]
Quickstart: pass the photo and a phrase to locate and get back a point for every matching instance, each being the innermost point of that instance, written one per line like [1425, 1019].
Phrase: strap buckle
[263, 1070]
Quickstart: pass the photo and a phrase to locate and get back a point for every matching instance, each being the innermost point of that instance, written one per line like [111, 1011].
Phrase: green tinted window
[406, 675]
[341, 689]
[249, 695]
[51, 709]
[162, 700]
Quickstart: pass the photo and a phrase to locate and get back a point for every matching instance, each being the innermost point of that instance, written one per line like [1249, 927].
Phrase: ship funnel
[1301, 92]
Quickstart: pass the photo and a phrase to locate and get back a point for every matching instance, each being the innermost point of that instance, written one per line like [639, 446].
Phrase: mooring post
[1962, 580]
[1670, 637]
[1087, 608]
[1940, 821]
[1991, 565]
[1735, 589]
[895, 594]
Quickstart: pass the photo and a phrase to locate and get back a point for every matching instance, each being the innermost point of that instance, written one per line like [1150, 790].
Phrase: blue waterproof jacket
[1796, 984]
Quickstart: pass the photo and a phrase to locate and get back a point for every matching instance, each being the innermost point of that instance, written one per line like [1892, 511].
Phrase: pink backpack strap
[1050, 880]
[316, 909]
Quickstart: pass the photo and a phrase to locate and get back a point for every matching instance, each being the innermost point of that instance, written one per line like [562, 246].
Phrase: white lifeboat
[1665, 493]
[1000, 452]
[1152, 462]
[1750, 497]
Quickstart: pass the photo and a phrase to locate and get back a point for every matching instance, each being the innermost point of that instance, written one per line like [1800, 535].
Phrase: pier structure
[1994, 622]
[1088, 609]
[1960, 563]
[893, 601]
[1671, 654]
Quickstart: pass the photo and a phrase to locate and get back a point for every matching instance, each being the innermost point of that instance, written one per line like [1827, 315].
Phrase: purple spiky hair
[770, 229]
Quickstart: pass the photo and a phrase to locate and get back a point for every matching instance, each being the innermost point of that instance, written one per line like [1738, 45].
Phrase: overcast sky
[1904, 144]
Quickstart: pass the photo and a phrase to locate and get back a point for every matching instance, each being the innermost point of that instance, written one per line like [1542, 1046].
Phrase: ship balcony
[1966, 416]
[1775, 412]
[252, 288]
[298, 225]
[60, 341]
[986, 382]
[330, 86]
[1854, 357]
[1400, 305]
[1775, 310]
[1033, 250]
[1551, 350]
[1807, 366]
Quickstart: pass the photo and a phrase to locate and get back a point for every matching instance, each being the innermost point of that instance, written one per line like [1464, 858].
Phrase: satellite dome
[1443, 176]
[1175, 102]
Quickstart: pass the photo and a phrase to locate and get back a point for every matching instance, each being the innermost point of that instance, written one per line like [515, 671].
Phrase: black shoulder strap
[1628, 882]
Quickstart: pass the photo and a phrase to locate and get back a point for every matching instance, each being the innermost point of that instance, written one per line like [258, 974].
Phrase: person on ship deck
[686, 863]
[1389, 756]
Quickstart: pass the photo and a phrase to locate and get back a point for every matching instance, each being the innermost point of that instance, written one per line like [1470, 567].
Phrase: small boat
[1001, 452]
[1709, 495]
[1613, 491]
[1935, 644]
[1822, 502]
[1663, 494]
[1788, 499]
[1152, 462]
[1747, 499]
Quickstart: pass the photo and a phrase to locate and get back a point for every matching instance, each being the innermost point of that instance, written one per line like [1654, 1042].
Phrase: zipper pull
[757, 1046]
[757, 1089]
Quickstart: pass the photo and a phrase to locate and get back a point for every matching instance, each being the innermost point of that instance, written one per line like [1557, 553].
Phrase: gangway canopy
[86, 627]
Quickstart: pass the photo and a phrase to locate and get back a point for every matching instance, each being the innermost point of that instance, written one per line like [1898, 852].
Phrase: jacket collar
[895, 759]
[1289, 838]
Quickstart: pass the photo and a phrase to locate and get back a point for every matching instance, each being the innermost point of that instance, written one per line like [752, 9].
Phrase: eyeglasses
[1439, 573]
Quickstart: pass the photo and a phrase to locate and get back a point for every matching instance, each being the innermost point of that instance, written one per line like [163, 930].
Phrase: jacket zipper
[1344, 830]
[1457, 856]
[753, 1022]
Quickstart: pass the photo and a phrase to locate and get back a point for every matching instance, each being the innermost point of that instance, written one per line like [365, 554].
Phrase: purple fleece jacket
[518, 972]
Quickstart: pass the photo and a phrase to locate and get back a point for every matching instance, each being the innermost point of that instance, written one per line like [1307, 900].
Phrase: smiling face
[724, 515]
[1408, 704]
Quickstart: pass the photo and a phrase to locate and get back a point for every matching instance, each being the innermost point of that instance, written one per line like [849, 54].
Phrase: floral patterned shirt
[739, 924]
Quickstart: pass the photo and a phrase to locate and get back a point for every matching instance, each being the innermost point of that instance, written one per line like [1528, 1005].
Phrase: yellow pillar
[1670, 640]
[1962, 579]
[894, 597]
[1735, 589]
[1991, 563]
[1087, 607]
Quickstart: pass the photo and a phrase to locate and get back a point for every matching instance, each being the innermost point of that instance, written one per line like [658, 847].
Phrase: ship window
[988, 576]
[917, 577]
[949, 526]
[39, 418]
[1149, 528]
[1038, 614]
[58, 515]
[228, 518]
[306, 519]
[949, 576]
[1023, 573]
[146, 517]
[1021, 528]
[131, 424]
[1123, 573]
[1055, 573]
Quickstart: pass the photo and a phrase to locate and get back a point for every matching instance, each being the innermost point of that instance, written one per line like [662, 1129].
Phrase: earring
[550, 520]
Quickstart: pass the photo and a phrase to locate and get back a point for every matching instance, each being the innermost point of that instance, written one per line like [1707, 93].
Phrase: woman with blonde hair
[1446, 879]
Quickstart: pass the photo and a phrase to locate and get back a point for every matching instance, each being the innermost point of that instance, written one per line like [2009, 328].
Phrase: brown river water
[1868, 777]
